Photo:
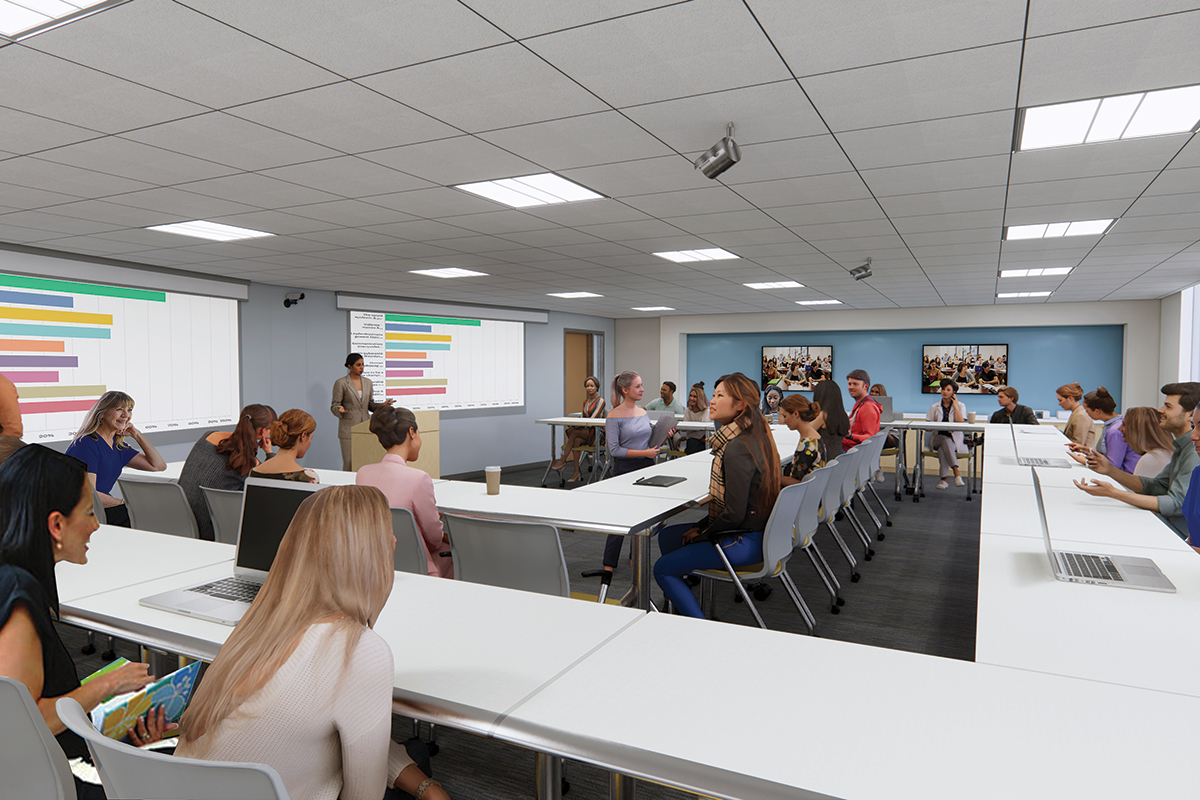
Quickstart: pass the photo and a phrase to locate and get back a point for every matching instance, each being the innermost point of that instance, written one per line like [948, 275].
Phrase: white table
[328, 477]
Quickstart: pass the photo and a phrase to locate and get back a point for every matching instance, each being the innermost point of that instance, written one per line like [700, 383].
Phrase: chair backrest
[410, 547]
[513, 555]
[869, 462]
[850, 478]
[809, 517]
[98, 507]
[831, 498]
[778, 536]
[31, 762]
[225, 510]
[129, 773]
[159, 506]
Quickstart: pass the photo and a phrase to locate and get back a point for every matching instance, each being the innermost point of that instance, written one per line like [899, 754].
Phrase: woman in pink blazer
[405, 486]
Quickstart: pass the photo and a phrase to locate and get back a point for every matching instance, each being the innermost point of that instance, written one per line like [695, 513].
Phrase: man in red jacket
[864, 418]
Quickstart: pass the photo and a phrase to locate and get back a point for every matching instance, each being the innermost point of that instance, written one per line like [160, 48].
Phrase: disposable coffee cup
[971, 417]
[493, 479]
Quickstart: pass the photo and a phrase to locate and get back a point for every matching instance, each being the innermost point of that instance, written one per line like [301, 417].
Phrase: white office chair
[831, 503]
[31, 762]
[410, 547]
[868, 463]
[225, 511]
[129, 773]
[159, 506]
[855, 457]
[808, 521]
[512, 555]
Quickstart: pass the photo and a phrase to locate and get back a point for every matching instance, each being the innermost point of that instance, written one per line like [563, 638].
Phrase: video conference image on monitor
[976, 368]
[793, 369]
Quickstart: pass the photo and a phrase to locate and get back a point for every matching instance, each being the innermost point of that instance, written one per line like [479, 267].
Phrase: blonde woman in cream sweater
[1080, 428]
[304, 684]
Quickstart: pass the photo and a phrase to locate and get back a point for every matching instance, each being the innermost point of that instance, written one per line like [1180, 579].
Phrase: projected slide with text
[441, 362]
[65, 343]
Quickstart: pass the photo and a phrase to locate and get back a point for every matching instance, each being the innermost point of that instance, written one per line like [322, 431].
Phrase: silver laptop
[1058, 463]
[268, 506]
[1128, 572]
[886, 415]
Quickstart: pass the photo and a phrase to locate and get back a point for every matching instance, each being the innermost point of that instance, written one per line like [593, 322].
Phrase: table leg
[549, 770]
[553, 453]
[641, 570]
[160, 663]
[621, 787]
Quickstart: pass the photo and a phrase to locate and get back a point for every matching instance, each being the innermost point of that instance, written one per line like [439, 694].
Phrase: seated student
[832, 422]
[697, 411]
[1010, 411]
[864, 418]
[798, 414]
[744, 486]
[1100, 406]
[947, 443]
[1191, 501]
[47, 516]
[987, 377]
[772, 397]
[1080, 429]
[303, 683]
[581, 435]
[666, 400]
[292, 434]
[100, 444]
[1165, 492]
[965, 376]
[405, 486]
[223, 459]
[1145, 436]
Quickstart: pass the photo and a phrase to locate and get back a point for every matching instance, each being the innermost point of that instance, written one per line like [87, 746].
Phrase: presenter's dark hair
[670, 385]
[352, 359]
[241, 447]
[859, 375]
[947, 382]
[34, 483]
[1011, 392]
[1188, 391]
[391, 425]
[291, 425]
[1100, 400]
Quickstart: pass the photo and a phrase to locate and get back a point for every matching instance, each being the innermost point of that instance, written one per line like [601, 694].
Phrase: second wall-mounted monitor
[793, 369]
[975, 368]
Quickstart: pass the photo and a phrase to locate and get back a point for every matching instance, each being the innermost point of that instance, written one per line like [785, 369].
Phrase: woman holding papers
[1080, 429]
[47, 516]
[292, 433]
[303, 683]
[744, 484]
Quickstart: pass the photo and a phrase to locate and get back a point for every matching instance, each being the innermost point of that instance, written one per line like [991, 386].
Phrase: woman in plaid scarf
[743, 487]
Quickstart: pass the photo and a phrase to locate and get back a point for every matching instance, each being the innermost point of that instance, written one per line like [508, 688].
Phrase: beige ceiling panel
[929, 141]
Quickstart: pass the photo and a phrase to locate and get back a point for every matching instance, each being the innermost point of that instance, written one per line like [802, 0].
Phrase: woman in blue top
[101, 445]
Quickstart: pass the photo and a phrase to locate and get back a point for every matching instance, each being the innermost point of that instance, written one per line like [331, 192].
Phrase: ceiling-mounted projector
[721, 156]
[863, 272]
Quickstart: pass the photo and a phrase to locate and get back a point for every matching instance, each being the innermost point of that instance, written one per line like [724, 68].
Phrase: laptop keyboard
[1033, 462]
[232, 588]
[1081, 565]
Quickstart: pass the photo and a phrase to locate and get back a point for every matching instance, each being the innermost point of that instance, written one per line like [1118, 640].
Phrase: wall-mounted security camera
[861, 273]
[721, 156]
[292, 298]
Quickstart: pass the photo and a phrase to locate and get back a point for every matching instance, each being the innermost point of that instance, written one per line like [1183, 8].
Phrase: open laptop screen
[267, 512]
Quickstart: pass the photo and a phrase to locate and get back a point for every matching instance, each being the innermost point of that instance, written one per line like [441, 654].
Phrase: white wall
[1168, 341]
[637, 350]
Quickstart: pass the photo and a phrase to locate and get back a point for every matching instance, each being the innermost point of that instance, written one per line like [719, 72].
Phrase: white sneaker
[879, 476]
[942, 484]
[959, 481]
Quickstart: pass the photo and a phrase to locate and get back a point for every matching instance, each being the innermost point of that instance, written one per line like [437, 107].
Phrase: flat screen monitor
[793, 368]
[975, 368]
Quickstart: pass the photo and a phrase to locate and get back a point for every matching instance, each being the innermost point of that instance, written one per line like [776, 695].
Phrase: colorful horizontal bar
[397, 326]
[432, 320]
[418, 381]
[426, 345]
[66, 331]
[42, 315]
[394, 364]
[417, 337]
[73, 287]
[31, 377]
[56, 300]
[399, 392]
[56, 407]
[62, 391]
[60, 362]
[405, 354]
[33, 345]
[405, 373]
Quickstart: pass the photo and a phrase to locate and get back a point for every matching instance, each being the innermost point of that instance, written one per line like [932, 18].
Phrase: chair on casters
[158, 506]
[869, 462]
[855, 455]
[512, 555]
[130, 773]
[410, 547]
[225, 510]
[831, 503]
[777, 549]
[962, 450]
[90, 647]
[807, 524]
[31, 760]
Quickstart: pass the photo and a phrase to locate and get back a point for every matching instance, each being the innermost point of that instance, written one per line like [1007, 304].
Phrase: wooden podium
[365, 448]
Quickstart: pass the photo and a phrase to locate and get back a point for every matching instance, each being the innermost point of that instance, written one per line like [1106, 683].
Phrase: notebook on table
[1057, 463]
[268, 506]
[659, 480]
[1128, 572]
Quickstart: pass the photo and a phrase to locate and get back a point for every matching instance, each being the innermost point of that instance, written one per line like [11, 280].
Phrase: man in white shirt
[666, 400]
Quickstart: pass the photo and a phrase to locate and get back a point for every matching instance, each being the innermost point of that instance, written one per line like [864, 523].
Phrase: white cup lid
[491, 469]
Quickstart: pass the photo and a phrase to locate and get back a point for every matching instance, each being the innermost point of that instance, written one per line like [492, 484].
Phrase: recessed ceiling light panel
[1011, 295]
[774, 285]
[1055, 230]
[818, 302]
[684, 256]
[531, 190]
[20, 19]
[1128, 116]
[202, 229]
[448, 272]
[653, 308]
[573, 295]
[1034, 273]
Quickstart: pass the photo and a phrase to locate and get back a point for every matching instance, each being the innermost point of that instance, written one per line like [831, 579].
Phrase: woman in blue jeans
[743, 487]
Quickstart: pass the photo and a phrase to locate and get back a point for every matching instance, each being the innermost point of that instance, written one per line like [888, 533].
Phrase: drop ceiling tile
[730, 221]
[29, 197]
[821, 213]
[36, 173]
[1146, 206]
[642, 229]
[1109, 187]
[987, 235]
[463, 159]
[116, 156]
[1176, 181]
[21, 133]
[478, 244]
[169, 47]
[647, 176]
[113, 214]
[21, 234]
[273, 221]
[179, 204]
[932, 140]
[963, 173]
[440, 201]
[57, 223]
[259, 190]
[1094, 160]
[1160, 222]
[230, 140]
[1062, 212]
[801, 191]
[958, 201]
[581, 141]
[952, 221]
[349, 213]
[709, 200]
[347, 176]
[497, 222]
[590, 212]
[790, 158]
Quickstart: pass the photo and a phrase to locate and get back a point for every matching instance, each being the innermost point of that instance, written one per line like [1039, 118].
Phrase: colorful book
[116, 716]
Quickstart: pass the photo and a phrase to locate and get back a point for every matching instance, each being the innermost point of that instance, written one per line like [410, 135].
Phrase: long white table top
[599, 422]
[328, 477]
[695, 471]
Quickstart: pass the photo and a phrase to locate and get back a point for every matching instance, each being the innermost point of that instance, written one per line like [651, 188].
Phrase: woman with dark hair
[1100, 406]
[100, 444]
[292, 433]
[798, 415]
[223, 459]
[578, 435]
[744, 485]
[1080, 429]
[47, 516]
[352, 403]
[832, 421]
[405, 486]
[772, 397]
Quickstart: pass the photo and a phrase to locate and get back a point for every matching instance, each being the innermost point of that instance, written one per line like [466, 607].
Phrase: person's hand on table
[1097, 488]
[691, 535]
[151, 727]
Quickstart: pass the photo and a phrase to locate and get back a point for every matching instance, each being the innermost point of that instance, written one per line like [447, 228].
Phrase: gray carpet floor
[917, 594]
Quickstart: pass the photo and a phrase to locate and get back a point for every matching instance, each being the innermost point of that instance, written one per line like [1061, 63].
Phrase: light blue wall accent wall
[1041, 359]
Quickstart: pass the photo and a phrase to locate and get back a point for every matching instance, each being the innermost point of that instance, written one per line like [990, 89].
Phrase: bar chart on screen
[65, 343]
[447, 363]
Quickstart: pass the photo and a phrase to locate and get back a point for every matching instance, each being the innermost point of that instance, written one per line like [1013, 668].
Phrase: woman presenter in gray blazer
[352, 403]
